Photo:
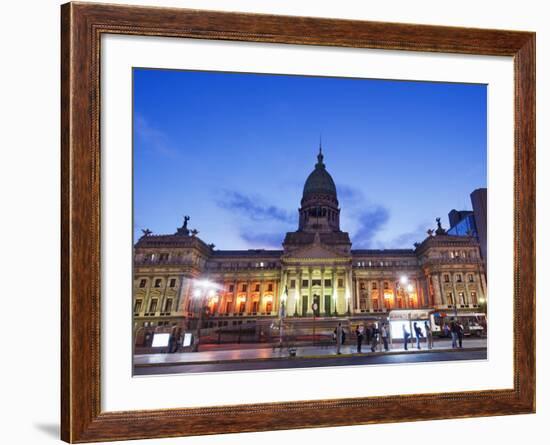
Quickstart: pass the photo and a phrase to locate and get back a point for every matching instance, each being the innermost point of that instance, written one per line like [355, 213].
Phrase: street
[270, 360]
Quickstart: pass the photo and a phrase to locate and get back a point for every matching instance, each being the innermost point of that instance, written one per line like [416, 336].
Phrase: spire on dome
[320, 156]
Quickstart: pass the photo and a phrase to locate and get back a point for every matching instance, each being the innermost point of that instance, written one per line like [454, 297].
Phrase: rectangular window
[142, 283]
[449, 298]
[257, 288]
[459, 278]
[168, 305]
[245, 287]
[386, 285]
[153, 306]
[374, 286]
[158, 282]
[231, 287]
[340, 282]
[172, 282]
[293, 284]
[362, 285]
[328, 283]
[315, 282]
[473, 297]
[270, 287]
[471, 278]
[446, 278]
[137, 306]
[305, 283]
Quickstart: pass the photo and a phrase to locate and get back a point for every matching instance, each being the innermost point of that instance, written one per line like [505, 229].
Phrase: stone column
[334, 296]
[297, 306]
[357, 295]
[381, 299]
[309, 295]
[437, 290]
[394, 290]
[369, 296]
[455, 293]
[261, 300]
[323, 290]
[235, 292]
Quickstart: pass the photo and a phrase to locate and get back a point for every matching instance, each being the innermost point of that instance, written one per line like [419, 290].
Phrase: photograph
[289, 221]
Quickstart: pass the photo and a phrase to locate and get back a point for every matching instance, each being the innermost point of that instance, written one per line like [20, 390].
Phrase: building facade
[316, 273]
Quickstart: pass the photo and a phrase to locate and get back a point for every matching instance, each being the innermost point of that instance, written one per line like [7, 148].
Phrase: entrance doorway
[327, 304]
[304, 305]
[317, 301]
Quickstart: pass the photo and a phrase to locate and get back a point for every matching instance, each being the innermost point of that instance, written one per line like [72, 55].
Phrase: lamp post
[203, 289]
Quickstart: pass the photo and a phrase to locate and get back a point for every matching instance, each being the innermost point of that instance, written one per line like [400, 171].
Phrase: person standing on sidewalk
[374, 339]
[359, 334]
[406, 335]
[460, 334]
[454, 334]
[384, 335]
[429, 335]
[418, 334]
[339, 334]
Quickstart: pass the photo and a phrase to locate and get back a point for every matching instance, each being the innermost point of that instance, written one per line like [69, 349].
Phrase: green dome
[320, 181]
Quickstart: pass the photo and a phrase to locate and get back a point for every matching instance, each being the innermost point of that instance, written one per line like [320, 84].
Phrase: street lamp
[202, 289]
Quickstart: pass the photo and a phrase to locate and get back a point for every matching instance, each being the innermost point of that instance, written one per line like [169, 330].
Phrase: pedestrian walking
[429, 335]
[406, 335]
[359, 334]
[374, 339]
[454, 334]
[339, 334]
[384, 335]
[418, 334]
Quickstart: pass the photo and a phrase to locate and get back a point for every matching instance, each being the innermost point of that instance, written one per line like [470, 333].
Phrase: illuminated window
[158, 282]
[172, 282]
[449, 298]
[473, 297]
[142, 282]
[461, 298]
[137, 306]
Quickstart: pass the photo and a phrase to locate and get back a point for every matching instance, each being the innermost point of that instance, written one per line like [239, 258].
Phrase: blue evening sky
[233, 151]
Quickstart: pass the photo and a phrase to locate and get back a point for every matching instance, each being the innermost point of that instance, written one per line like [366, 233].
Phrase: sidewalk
[347, 350]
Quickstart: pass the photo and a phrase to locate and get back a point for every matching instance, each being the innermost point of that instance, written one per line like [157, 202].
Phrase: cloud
[371, 221]
[263, 240]
[407, 239]
[153, 138]
[254, 209]
[350, 195]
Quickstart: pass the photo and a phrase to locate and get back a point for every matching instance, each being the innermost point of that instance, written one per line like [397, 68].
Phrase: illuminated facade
[315, 273]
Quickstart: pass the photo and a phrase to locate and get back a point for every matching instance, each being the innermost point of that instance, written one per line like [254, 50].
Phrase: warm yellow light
[410, 288]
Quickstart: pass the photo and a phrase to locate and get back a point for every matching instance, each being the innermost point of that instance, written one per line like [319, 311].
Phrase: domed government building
[181, 280]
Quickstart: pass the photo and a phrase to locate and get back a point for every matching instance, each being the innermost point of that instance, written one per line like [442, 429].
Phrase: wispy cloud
[253, 208]
[263, 240]
[407, 239]
[371, 221]
[152, 138]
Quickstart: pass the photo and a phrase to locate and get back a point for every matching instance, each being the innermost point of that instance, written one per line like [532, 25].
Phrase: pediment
[316, 251]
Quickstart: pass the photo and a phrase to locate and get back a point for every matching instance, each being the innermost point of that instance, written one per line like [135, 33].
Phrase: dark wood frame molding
[82, 25]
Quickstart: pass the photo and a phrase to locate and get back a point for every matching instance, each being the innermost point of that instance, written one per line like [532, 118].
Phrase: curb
[305, 357]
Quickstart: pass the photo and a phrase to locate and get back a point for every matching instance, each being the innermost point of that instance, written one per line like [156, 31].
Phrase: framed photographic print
[276, 222]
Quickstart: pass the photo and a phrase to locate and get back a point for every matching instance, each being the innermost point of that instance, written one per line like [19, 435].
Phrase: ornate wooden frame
[81, 27]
